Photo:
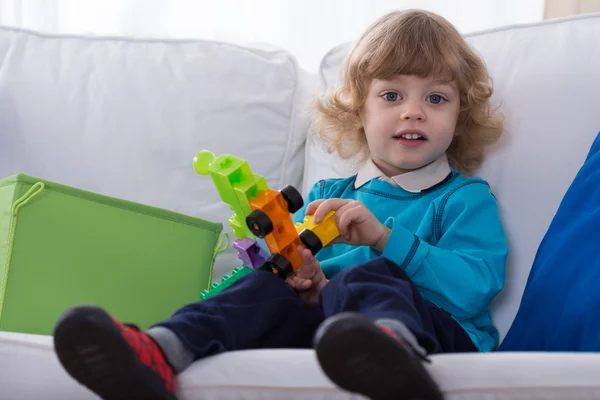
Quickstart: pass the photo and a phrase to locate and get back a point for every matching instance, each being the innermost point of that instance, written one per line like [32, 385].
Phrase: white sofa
[125, 117]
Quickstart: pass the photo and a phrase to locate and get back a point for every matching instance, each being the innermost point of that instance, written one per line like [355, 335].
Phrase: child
[421, 254]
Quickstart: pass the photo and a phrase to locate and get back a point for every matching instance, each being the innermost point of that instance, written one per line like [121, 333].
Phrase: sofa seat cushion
[29, 369]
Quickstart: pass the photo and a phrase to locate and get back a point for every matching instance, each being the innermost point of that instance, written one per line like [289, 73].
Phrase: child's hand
[357, 225]
[310, 280]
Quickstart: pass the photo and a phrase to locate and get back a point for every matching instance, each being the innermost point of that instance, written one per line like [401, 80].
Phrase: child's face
[409, 105]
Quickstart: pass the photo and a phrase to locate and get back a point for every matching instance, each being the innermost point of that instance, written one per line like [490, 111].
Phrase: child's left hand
[357, 225]
[310, 280]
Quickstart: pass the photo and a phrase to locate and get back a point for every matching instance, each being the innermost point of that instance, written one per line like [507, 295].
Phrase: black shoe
[114, 360]
[362, 357]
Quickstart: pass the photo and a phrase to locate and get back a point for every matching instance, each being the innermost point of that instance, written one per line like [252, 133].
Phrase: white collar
[413, 181]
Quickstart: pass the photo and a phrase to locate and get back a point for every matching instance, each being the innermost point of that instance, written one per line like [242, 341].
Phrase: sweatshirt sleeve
[463, 268]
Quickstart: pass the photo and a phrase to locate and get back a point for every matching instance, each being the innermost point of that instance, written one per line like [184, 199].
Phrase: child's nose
[413, 111]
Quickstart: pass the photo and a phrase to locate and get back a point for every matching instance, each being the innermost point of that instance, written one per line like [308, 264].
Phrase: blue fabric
[560, 306]
[449, 240]
[262, 311]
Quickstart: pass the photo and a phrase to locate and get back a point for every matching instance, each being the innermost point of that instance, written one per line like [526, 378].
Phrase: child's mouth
[410, 136]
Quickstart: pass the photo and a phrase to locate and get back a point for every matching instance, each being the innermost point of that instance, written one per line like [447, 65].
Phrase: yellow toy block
[316, 236]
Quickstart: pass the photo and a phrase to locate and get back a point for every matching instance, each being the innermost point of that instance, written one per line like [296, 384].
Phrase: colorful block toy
[316, 236]
[263, 248]
[235, 183]
[249, 252]
[266, 236]
[228, 280]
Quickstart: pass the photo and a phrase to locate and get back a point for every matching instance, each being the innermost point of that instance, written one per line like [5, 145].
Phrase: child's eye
[391, 96]
[435, 99]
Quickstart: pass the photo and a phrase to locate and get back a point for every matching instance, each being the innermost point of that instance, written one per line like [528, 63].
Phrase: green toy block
[239, 229]
[245, 191]
[228, 171]
[228, 280]
[235, 183]
[249, 189]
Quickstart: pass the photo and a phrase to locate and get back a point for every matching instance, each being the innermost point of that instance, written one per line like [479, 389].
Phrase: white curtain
[307, 28]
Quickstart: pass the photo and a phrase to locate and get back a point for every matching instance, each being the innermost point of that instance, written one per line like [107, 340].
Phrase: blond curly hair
[412, 42]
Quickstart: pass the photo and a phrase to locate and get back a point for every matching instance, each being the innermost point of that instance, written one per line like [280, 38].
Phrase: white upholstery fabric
[547, 83]
[295, 374]
[125, 117]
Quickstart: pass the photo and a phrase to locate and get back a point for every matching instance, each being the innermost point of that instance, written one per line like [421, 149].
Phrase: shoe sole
[358, 357]
[91, 349]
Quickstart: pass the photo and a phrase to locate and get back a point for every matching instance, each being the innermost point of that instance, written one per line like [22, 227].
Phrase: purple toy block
[249, 252]
[263, 248]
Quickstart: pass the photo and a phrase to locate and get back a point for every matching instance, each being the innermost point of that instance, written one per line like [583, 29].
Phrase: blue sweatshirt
[449, 239]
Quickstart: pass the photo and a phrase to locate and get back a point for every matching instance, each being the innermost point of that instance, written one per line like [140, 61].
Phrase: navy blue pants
[262, 311]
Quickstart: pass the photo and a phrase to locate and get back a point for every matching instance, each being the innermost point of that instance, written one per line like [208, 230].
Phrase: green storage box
[61, 246]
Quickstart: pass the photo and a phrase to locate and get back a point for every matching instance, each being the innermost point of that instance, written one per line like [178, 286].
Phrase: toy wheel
[311, 241]
[259, 223]
[280, 265]
[293, 198]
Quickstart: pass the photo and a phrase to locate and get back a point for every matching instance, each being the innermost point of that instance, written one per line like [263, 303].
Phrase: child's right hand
[310, 279]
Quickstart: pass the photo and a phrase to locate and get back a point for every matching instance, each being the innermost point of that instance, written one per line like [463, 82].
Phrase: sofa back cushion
[125, 117]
